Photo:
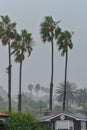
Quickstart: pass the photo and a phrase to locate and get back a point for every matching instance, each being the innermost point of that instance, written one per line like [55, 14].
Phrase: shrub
[22, 121]
[2, 125]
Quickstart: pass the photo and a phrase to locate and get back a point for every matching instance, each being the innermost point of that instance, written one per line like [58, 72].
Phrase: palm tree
[81, 96]
[46, 90]
[42, 90]
[6, 35]
[21, 45]
[37, 88]
[30, 87]
[64, 43]
[71, 92]
[49, 30]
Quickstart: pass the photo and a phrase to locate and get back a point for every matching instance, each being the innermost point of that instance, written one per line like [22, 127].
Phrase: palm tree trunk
[64, 98]
[19, 96]
[52, 72]
[9, 78]
[67, 104]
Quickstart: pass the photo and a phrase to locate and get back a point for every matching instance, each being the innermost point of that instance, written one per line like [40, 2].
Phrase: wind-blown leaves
[23, 43]
[49, 29]
[71, 92]
[64, 42]
[7, 29]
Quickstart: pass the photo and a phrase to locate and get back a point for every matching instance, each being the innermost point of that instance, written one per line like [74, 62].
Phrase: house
[65, 121]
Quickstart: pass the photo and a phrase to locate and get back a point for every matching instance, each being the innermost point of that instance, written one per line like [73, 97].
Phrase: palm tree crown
[64, 42]
[6, 29]
[82, 96]
[71, 92]
[21, 45]
[49, 29]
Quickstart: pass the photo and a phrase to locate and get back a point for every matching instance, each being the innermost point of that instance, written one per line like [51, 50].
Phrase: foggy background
[28, 14]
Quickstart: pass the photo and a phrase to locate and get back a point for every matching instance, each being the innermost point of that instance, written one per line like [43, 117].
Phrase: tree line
[21, 43]
[36, 99]
[74, 96]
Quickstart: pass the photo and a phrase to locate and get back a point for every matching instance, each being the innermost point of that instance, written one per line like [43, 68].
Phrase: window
[83, 125]
[62, 129]
[71, 128]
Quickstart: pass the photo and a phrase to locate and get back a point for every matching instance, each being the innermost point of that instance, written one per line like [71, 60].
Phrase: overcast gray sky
[28, 14]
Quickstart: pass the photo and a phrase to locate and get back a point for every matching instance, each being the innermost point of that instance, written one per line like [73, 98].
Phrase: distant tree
[6, 35]
[49, 30]
[37, 88]
[64, 43]
[42, 89]
[32, 104]
[1, 100]
[2, 104]
[81, 96]
[71, 92]
[21, 45]
[26, 102]
[30, 87]
[45, 91]
[84, 108]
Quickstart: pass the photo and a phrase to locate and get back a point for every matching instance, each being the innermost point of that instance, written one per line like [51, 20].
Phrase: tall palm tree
[6, 35]
[49, 30]
[64, 43]
[71, 92]
[21, 45]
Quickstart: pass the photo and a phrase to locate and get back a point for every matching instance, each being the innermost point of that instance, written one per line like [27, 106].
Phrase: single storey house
[65, 121]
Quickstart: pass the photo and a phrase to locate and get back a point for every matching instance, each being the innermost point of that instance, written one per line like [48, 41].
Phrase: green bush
[2, 125]
[22, 121]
